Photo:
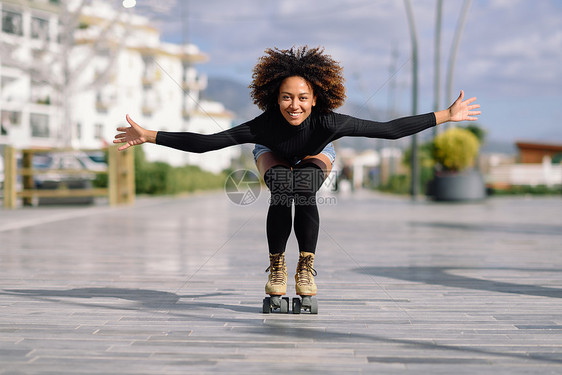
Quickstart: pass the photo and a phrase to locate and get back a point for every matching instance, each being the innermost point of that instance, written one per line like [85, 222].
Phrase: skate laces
[277, 268]
[305, 270]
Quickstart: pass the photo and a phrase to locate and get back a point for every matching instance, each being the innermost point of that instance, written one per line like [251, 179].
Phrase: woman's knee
[322, 161]
[308, 178]
[279, 180]
[269, 160]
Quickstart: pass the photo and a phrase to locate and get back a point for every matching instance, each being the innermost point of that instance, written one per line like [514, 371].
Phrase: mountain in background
[235, 96]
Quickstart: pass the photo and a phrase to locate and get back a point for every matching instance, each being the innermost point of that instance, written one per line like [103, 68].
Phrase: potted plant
[455, 151]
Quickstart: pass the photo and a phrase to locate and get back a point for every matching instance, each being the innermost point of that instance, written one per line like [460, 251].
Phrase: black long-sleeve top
[291, 142]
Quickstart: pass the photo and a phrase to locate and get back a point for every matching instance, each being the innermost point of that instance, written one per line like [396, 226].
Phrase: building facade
[533, 152]
[75, 92]
[28, 114]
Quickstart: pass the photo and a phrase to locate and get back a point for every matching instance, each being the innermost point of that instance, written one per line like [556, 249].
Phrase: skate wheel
[313, 306]
[275, 301]
[266, 309]
[284, 306]
[296, 305]
[306, 301]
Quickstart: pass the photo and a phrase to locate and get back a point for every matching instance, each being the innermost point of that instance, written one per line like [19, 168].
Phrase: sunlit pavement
[175, 286]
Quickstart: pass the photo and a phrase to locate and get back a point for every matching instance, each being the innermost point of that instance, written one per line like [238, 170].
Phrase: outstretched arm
[134, 135]
[459, 111]
[186, 141]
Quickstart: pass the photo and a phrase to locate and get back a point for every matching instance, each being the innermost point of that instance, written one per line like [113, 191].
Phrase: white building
[117, 65]
[27, 114]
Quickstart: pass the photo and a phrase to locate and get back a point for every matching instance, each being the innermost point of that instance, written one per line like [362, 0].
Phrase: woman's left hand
[463, 110]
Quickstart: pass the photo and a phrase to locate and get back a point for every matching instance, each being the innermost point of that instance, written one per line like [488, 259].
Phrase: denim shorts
[329, 151]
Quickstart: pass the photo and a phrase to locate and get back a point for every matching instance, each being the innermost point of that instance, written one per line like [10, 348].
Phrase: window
[11, 118]
[98, 129]
[39, 125]
[79, 130]
[39, 28]
[8, 120]
[12, 22]
[40, 93]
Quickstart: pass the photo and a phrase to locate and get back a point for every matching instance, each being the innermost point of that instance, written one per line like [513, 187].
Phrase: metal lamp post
[414, 189]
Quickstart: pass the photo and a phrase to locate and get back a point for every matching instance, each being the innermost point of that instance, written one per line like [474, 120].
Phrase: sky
[509, 56]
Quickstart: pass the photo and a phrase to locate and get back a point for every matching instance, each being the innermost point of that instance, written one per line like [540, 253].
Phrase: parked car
[79, 176]
[98, 157]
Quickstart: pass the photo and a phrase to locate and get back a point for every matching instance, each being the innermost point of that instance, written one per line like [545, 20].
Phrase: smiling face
[296, 100]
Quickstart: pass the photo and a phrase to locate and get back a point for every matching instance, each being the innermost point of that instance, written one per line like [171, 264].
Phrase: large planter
[467, 185]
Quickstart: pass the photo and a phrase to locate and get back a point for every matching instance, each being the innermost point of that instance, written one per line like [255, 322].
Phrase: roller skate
[276, 285]
[306, 288]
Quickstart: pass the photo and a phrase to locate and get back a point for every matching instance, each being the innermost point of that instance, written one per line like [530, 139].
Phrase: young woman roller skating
[297, 89]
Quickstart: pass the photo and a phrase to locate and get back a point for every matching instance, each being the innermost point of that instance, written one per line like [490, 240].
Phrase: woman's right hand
[133, 135]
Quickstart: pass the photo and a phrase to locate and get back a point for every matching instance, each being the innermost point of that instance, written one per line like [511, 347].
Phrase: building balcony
[12, 39]
[198, 84]
[151, 78]
[85, 35]
[102, 106]
[104, 100]
[148, 109]
[43, 100]
[186, 114]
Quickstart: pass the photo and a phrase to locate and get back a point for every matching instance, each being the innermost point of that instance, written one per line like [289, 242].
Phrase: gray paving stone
[174, 286]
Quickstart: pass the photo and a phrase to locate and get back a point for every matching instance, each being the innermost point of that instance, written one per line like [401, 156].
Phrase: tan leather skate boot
[304, 277]
[277, 281]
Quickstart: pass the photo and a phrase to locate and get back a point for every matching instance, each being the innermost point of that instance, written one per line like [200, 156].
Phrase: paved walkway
[175, 286]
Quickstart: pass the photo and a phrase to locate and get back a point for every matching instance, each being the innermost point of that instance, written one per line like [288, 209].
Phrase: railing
[120, 172]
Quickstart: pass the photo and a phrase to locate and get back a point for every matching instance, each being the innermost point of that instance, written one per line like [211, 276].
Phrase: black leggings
[299, 186]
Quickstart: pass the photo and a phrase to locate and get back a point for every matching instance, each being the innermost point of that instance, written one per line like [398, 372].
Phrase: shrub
[456, 149]
[397, 184]
[159, 178]
[528, 190]
[192, 178]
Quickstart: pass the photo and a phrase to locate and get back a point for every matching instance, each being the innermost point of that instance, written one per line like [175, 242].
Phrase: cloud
[508, 47]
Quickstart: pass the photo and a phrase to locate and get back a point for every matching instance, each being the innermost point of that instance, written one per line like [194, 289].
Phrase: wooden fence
[120, 176]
